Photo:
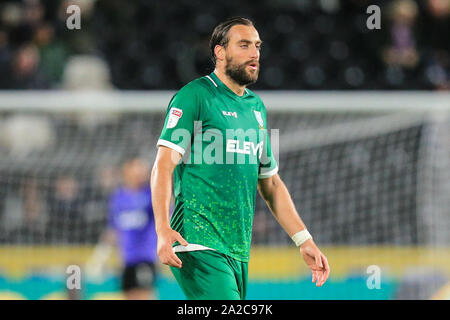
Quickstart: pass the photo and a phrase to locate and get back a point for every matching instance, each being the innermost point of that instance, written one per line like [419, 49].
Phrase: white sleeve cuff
[268, 174]
[170, 145]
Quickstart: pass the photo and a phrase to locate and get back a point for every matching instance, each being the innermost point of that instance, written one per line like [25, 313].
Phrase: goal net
[369, 173]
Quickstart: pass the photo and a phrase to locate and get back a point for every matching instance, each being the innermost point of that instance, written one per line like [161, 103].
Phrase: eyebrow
[249, 42]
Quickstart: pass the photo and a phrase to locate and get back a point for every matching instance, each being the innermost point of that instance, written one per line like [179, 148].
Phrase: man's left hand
[316, 261]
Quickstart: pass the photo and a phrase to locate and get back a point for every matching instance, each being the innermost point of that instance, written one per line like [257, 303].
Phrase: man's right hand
[166, 237]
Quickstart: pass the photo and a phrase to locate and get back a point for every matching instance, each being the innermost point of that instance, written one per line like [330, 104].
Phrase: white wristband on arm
[300, 237]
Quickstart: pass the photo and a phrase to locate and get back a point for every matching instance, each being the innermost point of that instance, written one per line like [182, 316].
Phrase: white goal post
[282, 101]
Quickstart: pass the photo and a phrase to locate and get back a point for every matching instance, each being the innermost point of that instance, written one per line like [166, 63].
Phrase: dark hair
[220, 33]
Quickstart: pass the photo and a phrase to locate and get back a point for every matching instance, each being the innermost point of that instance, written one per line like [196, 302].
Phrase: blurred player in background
[131, 226]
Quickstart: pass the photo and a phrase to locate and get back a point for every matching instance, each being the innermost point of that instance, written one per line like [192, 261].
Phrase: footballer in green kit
[215, 144]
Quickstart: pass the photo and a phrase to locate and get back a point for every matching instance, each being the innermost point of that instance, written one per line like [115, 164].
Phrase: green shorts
[210, 275]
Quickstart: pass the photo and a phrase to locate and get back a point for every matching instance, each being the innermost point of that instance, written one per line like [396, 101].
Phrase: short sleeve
[181, 114]
[268, 164]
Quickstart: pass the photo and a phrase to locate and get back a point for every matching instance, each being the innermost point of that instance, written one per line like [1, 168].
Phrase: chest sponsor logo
[245, 147]
[259, 119]
[174, 115]
[229, 113]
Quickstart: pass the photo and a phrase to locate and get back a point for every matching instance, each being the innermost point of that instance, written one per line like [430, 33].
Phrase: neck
[230, 83]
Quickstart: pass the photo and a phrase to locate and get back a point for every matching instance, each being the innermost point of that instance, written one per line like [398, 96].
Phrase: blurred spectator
[436, 20]
[65, 204]
[440, 9]
[24, 213]
[307, 45]
[402, 50]
[5, 57]
[106, 179]
[13, 211]
[52, 52]
[20, 20]
[34, 206]
[33, 12]
[26, 73]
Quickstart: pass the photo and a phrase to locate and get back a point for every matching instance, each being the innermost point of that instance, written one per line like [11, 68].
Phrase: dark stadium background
[315, 45]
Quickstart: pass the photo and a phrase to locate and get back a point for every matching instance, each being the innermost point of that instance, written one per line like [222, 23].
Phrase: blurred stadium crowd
[148, 44]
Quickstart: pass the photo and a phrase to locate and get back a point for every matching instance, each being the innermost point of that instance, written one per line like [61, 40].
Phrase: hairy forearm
[161, 186]
[280, 203]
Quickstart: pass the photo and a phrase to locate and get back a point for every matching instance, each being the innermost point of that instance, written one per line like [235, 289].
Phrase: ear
[219, 51]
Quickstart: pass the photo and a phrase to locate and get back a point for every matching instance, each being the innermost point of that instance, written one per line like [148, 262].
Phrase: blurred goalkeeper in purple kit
[131, 227]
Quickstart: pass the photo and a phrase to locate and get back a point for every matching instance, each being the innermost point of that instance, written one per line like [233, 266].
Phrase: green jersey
[225, 145]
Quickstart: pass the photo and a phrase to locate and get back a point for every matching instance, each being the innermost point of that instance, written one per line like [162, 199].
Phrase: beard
[239, 74]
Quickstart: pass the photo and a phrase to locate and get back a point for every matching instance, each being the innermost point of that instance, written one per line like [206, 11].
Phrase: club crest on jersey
[174, 115]
[259, 119]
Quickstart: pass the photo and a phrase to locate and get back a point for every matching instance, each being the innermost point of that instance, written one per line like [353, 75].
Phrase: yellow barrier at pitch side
[266, 262]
